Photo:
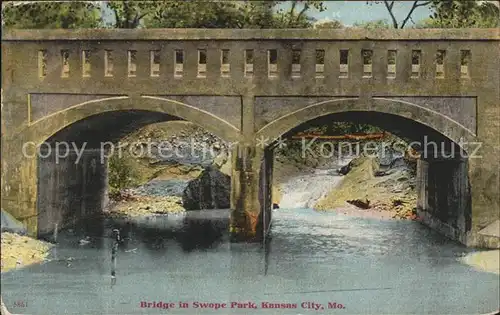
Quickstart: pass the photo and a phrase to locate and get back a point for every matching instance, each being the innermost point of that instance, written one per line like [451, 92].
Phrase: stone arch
[444, 192]
[438, 122]
[65, 190]
[48, 126]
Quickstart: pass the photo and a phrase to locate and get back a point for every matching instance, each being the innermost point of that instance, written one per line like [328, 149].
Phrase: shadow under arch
[76, 186]
[162, 108]
[444, 191]
[426, 120]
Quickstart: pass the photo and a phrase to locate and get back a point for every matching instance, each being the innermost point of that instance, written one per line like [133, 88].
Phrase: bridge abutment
[454, 201]
[73, 187]
[444, 199]
[484, 175]
[42, 188]
[19, 184]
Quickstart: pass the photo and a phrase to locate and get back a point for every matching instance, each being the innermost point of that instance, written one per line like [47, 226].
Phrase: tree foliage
[165, 14]
[297, 15]
[123, 172]
[462, 14]
[233, 14]
[37, 15]
[196, 14]
[448, 14]
[129, 14]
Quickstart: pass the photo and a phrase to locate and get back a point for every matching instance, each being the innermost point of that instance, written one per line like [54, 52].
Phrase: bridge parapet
[267, 62]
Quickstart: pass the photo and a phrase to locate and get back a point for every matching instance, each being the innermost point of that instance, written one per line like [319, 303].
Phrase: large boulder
[211, 190]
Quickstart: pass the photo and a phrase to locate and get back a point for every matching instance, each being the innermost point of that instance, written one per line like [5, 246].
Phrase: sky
[349, 12]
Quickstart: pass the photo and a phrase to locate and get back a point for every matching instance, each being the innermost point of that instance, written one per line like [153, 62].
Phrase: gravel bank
[20, 251]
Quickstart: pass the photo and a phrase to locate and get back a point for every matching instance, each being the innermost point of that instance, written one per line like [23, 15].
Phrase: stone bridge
[245, 86]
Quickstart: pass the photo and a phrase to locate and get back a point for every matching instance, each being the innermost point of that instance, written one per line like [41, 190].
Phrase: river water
[369, 266]
[304, 191]
[314, 263]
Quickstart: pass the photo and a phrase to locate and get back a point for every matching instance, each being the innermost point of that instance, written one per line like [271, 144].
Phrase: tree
[129, 14]
[36, 15]
[390, 9]
[233, 14]
[257, 14]
[297, 15]
[174, 14]
[462, 14]
[196, 14]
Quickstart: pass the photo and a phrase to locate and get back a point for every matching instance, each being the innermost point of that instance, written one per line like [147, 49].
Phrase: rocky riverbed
[181, 151]
[383, 187]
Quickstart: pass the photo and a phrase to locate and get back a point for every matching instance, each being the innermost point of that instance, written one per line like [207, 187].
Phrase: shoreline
[485, 260]
[20, 251]
[353, 211]
[480, 260]
[143, 206]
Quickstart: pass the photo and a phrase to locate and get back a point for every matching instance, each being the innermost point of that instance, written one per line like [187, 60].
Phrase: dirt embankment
[20, 251]
[367, 190]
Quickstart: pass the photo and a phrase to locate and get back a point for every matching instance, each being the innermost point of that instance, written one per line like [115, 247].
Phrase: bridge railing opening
[276, 60]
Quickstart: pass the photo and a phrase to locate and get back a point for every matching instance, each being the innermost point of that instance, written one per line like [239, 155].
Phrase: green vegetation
[48, 14]
[154, 14]
[400, 23]
[317, 152]
[123, 173]
[462, 14]
[445, 14]
[233, 14]
[339, 128]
